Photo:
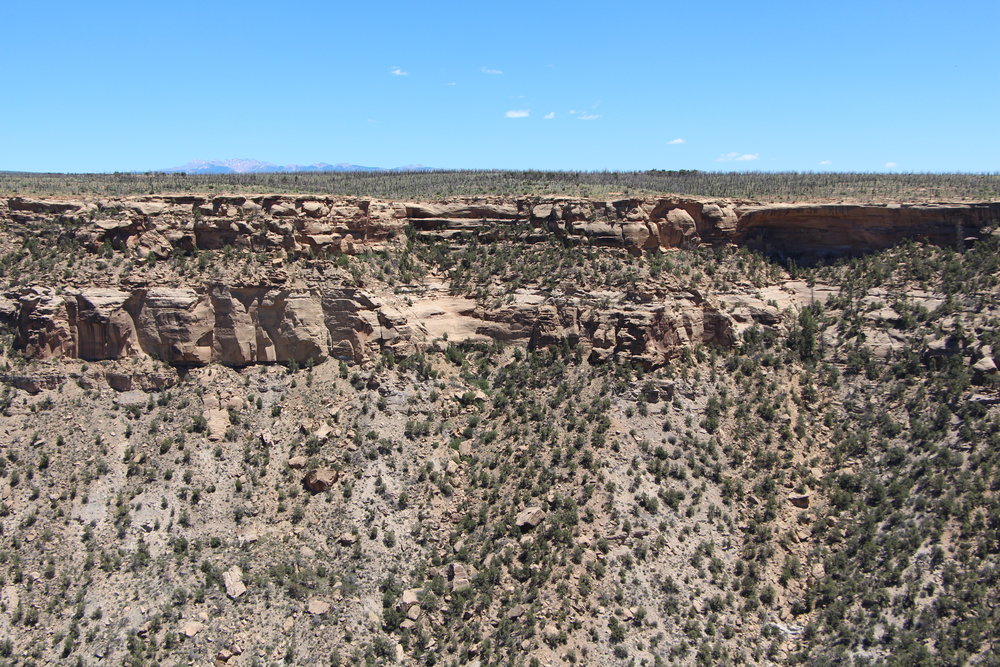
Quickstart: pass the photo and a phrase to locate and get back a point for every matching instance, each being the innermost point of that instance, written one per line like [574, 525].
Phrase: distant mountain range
[258, 167]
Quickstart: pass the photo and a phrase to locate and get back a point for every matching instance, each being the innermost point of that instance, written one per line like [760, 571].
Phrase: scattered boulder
[799, 500]
[317, 606]
[529, 517]
[191, 628]
[233, 579]
[985, 365]
[320, 479]
[217, 423]
[517, 611]
[297, 462]
[411, 596]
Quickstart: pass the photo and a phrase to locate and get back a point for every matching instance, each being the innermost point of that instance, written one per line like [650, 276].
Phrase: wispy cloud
[550, 115]
[737, 157]
[589, 116]
[825, 163]
[518, 113]
[396, 71]
[676, 141]
[890, 165]
[490, 70]
[451, 83]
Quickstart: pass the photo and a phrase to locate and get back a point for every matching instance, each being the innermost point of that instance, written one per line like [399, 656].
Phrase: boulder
[217, 422]
[985, 365]
[800, 500]
[233, 580]
[529, 517]
[191, 628]
[320, 479]
[317, 607]
[678, 229]
[315, 209]
[410, 597]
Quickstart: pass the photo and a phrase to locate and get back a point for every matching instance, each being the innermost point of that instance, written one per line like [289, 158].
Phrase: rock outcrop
[216, 324]
[321, 226]
[836, 230]
[252, 325]
[268, 321]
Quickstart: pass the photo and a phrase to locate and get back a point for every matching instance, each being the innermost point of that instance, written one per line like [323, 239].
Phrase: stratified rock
[176, 325]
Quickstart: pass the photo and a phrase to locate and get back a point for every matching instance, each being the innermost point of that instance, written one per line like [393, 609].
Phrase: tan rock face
[238, 326]
[188, 327]
[160, 225]
[837, 230]
[175, 325]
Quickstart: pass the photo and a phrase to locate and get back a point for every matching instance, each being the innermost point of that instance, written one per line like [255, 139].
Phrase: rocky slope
[304, 430]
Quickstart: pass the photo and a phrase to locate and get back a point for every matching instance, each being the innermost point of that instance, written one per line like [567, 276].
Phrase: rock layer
[242, 326]
[274, 323]
[317, 226]
[216, 324]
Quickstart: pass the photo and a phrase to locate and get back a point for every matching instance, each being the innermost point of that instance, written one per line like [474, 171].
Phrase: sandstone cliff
[198, 322]
[316, 226]
[243, 326]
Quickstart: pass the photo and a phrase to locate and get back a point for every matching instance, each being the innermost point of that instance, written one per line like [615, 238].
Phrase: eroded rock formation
[271, 322]
[318, 226]
[215, 324]
[242, 326]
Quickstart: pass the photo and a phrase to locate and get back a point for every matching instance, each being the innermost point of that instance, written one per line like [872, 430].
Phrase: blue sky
[880, 85]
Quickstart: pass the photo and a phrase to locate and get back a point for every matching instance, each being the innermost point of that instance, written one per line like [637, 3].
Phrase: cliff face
[317, 226]
[837, 230]
[192, 323]
[243, 326]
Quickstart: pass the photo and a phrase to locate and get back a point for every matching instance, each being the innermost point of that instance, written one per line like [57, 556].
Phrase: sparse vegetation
[817, 488]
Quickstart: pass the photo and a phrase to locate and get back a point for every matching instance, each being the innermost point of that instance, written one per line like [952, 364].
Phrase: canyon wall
[243, 326]
[317, 226]
[199, 324]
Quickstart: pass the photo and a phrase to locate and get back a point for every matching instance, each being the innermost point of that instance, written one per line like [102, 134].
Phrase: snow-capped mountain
[247, 166]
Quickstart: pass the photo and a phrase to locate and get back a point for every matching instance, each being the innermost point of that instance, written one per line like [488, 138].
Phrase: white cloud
[451, 83]
[490, 70]
[825, 163]
[737, 157]
[550, 115]
[589, 116]
[890, 165]
[518, 113]
[676, 141]
[396, 71]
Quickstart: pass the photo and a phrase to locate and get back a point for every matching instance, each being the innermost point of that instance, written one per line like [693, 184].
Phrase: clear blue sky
[866, 86]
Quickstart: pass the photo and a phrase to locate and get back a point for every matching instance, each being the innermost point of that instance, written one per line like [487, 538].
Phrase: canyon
[273, 320]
